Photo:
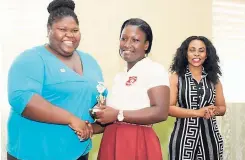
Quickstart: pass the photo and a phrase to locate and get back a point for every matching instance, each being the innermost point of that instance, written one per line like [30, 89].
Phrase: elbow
[18, 101]
[221, 110]
[165, 117]
[162, 116]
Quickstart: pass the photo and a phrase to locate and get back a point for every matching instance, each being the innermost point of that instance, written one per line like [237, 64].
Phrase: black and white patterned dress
[195, 138]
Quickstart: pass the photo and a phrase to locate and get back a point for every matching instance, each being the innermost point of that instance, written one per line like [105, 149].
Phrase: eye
[122, 39]
[75, 30]
[62, 29]
[192, 50]
[135, 40]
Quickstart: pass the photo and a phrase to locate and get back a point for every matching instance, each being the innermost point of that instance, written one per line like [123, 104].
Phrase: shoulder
[29, 56]
[156, 74]
[218, 85]
[173, 78]
[156, 68]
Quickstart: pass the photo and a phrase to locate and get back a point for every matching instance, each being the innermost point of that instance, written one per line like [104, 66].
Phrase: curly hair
[211, 64]
[61, 8]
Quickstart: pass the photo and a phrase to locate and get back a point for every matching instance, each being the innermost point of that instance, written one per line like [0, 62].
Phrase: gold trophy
[100, 99]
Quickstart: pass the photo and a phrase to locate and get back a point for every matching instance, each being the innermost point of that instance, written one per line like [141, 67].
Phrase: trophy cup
[100, 99]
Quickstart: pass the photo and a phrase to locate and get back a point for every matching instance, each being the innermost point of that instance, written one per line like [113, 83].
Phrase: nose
[196, 53]
[69, 34]
[127, 43]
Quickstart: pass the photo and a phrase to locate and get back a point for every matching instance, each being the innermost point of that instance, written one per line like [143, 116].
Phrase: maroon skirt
[123, 141]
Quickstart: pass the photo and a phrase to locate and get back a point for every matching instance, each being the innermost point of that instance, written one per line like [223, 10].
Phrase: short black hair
[211, 64]
[144, 26]
[59, 9]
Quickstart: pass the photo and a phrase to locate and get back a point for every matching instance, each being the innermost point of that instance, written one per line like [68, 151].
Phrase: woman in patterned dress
[196, 98]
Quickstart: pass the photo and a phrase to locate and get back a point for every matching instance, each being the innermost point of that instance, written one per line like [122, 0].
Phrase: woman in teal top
[51, 89]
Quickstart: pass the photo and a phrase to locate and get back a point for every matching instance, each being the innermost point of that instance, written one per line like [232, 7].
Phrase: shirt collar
[188, 72]
[137, 66]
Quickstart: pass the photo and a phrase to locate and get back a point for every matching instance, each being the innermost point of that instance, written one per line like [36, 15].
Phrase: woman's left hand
[106, 115]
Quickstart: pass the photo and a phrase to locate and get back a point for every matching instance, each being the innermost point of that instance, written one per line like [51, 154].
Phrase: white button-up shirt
[129, 91]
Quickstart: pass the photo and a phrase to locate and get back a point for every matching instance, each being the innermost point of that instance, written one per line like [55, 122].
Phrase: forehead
[67, 21]
[197, 44]
[133, 30]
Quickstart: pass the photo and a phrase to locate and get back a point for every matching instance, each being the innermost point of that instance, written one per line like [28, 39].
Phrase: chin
[196, 65]
[67, 54]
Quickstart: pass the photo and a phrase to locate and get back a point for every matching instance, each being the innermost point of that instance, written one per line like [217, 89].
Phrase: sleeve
[158, 76]
[25, 78]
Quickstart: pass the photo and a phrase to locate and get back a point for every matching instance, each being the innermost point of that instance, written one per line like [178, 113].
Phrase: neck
[131, 64]
[56, 53]
[195, 71]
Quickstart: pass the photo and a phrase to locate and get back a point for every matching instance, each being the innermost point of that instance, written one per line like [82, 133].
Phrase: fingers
[102, 106]
[90, 128]
[99, 114]
[207, 113]
[212, 110]
[100, 121]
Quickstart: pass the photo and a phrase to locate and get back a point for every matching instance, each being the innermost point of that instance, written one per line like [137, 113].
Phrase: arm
[38, 109]
[220, 106]
[176, 111]
[157, 112]
[158, 94]
[25, 82]
[97, 128]
[159, 100]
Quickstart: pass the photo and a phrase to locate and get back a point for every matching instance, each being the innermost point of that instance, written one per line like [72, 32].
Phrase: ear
[146, 46]
[48, 30]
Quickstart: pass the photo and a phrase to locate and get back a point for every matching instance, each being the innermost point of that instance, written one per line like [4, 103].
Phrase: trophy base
[93, 112]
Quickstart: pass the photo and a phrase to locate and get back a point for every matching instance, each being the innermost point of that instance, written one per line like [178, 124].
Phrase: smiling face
[133, 44]
[64, 36]
[196, 53]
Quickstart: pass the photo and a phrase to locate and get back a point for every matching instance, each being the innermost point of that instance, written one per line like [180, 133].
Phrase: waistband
[142, 125]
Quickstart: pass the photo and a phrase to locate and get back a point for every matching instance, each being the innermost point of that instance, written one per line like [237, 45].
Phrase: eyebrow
[197, 48]
[202, 48]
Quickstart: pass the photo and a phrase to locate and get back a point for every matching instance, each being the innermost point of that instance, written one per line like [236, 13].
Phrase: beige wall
[171, 21]
[100, 21]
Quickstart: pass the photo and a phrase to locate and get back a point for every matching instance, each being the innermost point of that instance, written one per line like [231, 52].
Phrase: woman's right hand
[82, 128]
[203, 112]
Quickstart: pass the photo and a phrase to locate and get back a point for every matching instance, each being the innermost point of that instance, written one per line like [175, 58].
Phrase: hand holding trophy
[100, 99]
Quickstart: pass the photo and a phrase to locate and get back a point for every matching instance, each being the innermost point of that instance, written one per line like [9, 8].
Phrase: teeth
[67, 42]
[127, 51]
[196, 59]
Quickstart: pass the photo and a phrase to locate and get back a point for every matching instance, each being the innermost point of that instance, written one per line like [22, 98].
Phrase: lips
[68, 43]
[196, 60]
[127, 51]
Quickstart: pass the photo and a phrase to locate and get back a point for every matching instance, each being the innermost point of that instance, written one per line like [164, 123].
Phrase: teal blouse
[37, 71]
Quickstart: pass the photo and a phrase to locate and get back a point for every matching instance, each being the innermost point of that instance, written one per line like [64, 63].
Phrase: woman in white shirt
[139, 98]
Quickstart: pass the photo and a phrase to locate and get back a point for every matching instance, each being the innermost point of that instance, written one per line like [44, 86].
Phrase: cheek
[121, 44]
[189, 56]
[204, 56]
[56, 36]
[78, 36]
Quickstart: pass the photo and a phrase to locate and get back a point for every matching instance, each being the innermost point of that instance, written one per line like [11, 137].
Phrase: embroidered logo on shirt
[131, 80]
[62, 70]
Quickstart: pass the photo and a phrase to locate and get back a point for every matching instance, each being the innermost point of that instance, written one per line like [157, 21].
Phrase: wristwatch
[120, 116]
